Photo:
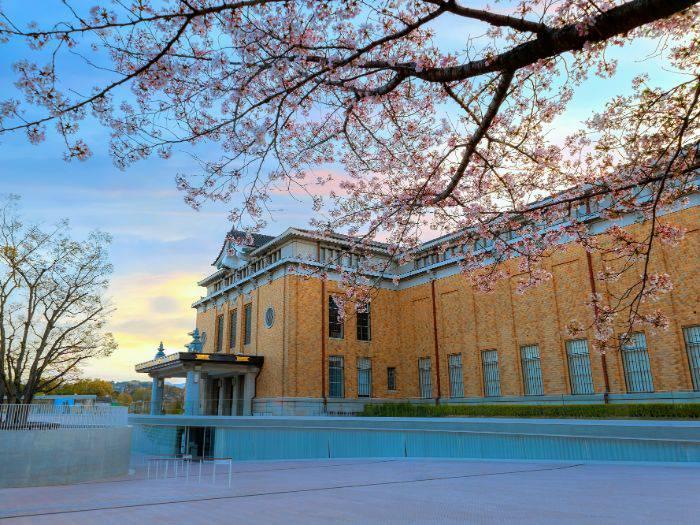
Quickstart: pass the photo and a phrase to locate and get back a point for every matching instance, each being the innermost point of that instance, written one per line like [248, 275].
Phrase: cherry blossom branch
[493, 19]
[616, 21]
[498, 98]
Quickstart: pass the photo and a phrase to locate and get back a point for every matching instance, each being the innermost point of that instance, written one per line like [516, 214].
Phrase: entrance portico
[216, 384]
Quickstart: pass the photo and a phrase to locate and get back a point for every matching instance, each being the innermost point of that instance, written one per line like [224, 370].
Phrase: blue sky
[161, 246]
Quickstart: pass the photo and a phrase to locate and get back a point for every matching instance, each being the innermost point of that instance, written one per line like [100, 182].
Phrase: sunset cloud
[150, 308]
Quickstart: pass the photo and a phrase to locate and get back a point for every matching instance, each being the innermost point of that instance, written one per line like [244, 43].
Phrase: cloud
[150, 308]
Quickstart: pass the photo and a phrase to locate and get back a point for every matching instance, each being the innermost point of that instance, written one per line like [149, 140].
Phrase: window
[532, 372]
[424, 379]
[248, 323]
[269, 317]
[335, 323]
[508, 236]
[336, 381]
[219, 332]
[691, 335]
[635, 361]
[364, 377]
[582, 210]
[492, 377]
[391, 378]
[579, 366]
[332, 257]
[456, 382]
[232, 327]
[483, 244]
[363, 325]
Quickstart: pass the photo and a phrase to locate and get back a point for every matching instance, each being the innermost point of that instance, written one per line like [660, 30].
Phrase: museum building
[269, 338]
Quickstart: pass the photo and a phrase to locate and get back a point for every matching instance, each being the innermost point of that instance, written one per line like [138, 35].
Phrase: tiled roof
[258, 240]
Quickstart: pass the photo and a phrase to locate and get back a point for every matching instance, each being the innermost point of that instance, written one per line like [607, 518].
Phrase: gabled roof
[312, 235]
[258, 240]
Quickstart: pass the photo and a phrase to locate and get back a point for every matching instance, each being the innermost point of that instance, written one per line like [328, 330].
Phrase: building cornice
[414, 276]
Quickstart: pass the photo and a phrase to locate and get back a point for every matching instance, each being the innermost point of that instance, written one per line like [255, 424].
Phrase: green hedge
[641, 411]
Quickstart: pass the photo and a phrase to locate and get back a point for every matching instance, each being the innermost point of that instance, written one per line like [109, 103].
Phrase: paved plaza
[374, 491]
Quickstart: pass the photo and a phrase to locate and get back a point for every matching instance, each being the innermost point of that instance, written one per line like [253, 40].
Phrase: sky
[161, 247]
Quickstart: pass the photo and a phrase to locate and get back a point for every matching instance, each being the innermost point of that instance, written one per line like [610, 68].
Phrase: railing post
[42, 417]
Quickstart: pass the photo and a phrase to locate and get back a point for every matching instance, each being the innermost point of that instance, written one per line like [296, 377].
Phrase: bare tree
[52, 306]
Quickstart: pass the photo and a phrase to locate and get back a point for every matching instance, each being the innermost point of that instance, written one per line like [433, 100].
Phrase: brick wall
[467, 322]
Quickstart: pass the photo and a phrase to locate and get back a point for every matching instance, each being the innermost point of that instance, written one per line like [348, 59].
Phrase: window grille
[269, 317]
[483, 244]
[532, 372]
[424, 378]
[635, 361]
[579, 366]
[492, 376]
[363, 325]
[336, 381]
[691, 335]
[219, 332]
[456, 381]
[248, 326]
[364, 377]
[335, 323]
[391, 378]
[232, 328]
[334, 257]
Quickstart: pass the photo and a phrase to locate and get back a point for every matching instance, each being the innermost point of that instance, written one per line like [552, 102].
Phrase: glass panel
[691, 335]
[424, 379]
[492, 376]
[335, 376]
[363, 325]
[247, 312]
[635, 360]
[364, 377]
[391, 378]
[219, 332]
[532, 372]
[269, 317]
[232, 327]
[456, 380]
[579, 366]
[335, 324]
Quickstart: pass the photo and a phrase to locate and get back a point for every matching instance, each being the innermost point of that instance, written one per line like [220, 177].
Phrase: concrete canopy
[179, 363]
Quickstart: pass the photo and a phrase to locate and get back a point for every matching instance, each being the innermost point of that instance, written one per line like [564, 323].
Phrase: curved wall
[258, 438]
[61, 456]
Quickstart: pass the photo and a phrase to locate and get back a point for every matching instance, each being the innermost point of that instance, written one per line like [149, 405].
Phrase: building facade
[429, 336]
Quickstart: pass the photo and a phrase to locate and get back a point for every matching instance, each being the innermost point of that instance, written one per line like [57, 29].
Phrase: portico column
[157, 396]
[204, 394]
[248, 393]
[222, 396]
[192, 393]
[234, 395]
[226, 410]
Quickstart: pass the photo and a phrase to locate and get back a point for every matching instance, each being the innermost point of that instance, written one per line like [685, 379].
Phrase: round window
[269, 317]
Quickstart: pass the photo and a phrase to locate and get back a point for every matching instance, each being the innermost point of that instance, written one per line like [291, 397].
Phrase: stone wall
[62, 456]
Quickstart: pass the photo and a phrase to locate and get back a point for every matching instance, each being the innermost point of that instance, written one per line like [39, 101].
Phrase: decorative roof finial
[196, 344]
[161, 351]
